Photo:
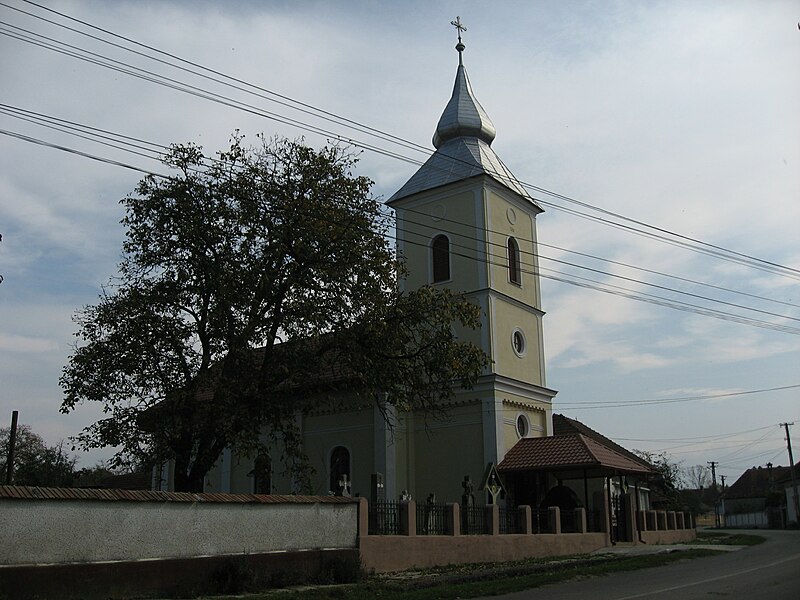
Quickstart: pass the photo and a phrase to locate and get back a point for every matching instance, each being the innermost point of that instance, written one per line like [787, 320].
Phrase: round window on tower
[523, 427]
[518, 342]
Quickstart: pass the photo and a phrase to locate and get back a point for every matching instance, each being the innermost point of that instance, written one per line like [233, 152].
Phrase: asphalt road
[768, 571]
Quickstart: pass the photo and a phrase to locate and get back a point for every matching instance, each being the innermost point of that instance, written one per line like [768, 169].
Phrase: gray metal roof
[463, 116]
[459, 158]
[463, 146]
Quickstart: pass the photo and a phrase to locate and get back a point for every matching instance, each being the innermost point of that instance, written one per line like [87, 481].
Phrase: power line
[47, 121]
[687, 242]
[692, 398]
[561, 277]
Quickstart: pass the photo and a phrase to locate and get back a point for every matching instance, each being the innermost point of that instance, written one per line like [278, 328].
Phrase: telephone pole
[12, 444]
[713, 465]
[791, 471]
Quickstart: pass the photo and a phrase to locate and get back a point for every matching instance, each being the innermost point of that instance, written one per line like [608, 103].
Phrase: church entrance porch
[580, 476]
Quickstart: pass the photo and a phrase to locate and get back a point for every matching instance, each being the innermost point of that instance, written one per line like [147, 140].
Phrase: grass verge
[722, 538]
[445, 585]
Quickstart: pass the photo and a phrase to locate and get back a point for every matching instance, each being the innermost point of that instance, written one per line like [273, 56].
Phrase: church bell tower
[465, 222]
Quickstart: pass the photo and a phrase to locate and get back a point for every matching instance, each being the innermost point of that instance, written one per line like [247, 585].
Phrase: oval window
[522, 426]
[518, 341]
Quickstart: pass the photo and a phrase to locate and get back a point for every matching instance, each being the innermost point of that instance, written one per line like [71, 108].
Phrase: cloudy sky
[677, 115]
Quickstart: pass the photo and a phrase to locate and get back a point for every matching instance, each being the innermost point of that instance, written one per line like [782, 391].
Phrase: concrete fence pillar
[454, 519]
[363, 517]
[662, 520]
[408, 518]
[525, 524]
[493, 519]
[554, 519]
[641, 520]
[681, 524]
[580, 520]
[671, 520]
[652, 520]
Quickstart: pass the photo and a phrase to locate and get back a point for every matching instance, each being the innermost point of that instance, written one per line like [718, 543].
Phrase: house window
[440, 258]
[340, 466]
[262, 474]
[514, 275]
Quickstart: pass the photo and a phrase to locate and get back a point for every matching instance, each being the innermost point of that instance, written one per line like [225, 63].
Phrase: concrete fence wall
[49, 529]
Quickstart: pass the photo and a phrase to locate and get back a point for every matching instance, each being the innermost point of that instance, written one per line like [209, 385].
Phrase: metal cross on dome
[459, 27]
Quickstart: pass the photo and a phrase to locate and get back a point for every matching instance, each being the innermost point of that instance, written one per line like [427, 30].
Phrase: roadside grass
[723, 538]
[478, 580]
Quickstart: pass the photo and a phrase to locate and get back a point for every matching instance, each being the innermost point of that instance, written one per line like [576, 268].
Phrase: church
[464, 222]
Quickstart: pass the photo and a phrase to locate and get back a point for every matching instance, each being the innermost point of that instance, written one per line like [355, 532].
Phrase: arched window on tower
[440, 258]
[340, 466]
[514, 273]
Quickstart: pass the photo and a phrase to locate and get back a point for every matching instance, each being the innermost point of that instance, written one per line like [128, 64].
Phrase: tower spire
[460, 45]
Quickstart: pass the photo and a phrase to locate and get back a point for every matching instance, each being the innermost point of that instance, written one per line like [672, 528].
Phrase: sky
[678, 115]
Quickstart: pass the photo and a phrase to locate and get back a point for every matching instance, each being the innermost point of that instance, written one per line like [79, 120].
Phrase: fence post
[363, 517]
[454, 519]
[492, 519]
[525, 519]
[580, 520]
[671, 521]
[408, 518]
[554, 519]
[681, 524]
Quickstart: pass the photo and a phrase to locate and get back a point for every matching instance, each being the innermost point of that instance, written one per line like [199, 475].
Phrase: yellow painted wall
[500, 214]
[453, 214]
[353, 430]
[507, 317]
[447, 452]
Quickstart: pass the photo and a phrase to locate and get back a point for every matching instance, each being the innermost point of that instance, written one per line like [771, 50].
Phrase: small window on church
[518, 342]
[340, 470]
[514, 273]
[522, 426]
[440, 258]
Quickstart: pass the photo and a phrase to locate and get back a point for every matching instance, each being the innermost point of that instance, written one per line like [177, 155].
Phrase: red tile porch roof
[567, 452]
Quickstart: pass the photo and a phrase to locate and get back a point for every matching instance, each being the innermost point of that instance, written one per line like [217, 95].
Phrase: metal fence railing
[510, 521]
[473, 520]
[432, 519]
[569, 521]
[595, 520]
[540, 520]
[384, 518]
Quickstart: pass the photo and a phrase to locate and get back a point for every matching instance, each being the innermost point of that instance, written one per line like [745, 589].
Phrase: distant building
[759, 498]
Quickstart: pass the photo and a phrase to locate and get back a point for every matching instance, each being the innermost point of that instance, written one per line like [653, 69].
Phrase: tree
[669, 477]
[697, 477]
[35, 462]
[250, 284]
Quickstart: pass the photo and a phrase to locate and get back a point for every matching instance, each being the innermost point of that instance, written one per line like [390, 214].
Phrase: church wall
[353, 430]
[452, 213]
[505, 219]
[446, 452]
[511, 412]
[506, 319]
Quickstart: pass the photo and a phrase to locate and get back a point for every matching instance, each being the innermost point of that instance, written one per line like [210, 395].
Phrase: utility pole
[791, 471]
[12, 446]
[713, 465]
[722, 498]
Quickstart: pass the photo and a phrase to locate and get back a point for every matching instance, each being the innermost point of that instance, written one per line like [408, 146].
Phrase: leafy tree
[35, 462]
[250, 286]
[669, 478]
